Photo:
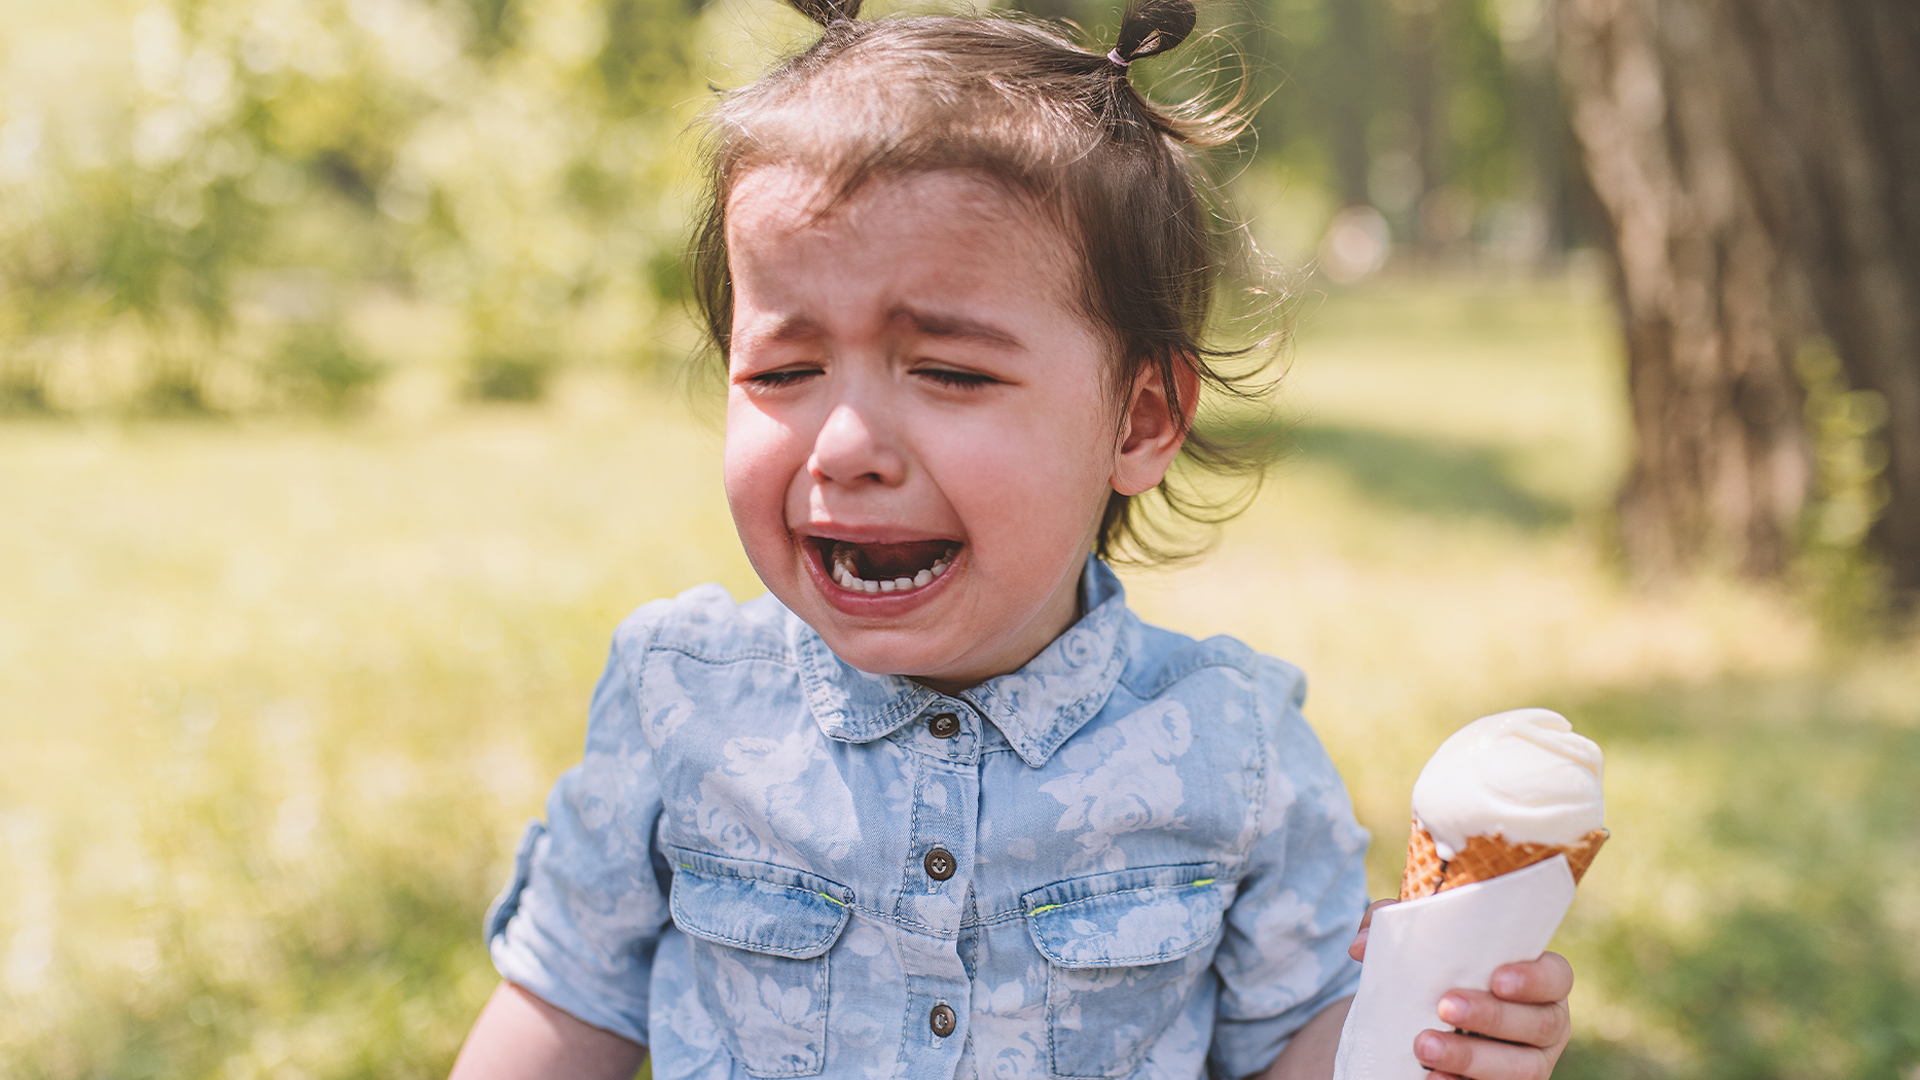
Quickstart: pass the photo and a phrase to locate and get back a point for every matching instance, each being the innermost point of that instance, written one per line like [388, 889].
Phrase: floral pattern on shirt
[1132, 859]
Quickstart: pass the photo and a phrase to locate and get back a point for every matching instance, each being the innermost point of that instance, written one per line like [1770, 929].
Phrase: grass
[278, 697]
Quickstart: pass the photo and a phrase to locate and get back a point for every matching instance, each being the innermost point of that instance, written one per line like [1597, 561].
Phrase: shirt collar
[1037, 707]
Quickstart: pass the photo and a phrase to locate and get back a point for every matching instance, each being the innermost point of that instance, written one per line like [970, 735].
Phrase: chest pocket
[1125, 952]
[760, 935]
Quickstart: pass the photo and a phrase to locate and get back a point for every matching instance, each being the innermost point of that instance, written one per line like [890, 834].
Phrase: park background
[348, 400]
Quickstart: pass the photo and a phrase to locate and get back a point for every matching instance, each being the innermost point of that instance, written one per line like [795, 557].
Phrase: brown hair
[1062, 128]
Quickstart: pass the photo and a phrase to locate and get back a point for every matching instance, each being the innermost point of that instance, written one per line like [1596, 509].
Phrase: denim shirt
[1130, 858]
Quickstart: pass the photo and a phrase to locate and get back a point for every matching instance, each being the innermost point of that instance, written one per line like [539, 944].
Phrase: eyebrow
[929, 324]
[956, 327]
[790, 329]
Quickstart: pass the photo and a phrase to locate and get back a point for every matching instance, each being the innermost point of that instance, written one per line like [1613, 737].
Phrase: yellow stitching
[829, 899]
[1043, 907]
[1203, 881]
[686, 866]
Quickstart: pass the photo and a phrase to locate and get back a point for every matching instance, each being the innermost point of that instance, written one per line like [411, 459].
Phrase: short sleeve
[1283, 955]
[578, 924]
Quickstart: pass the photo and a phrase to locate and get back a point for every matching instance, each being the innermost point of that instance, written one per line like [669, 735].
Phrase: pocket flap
[1126, 918]
[755, 906]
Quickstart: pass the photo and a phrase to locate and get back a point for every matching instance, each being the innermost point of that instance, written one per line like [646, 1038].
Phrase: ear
[1150, 432]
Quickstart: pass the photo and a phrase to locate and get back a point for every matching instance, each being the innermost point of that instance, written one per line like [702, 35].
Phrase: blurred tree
[1440, 113]
[1759, 162]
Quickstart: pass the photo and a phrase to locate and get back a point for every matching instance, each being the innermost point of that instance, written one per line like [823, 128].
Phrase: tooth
[870, 586]
[843, 557]
[922, 577]
[845, 577]
[889, 586]
[901, 584]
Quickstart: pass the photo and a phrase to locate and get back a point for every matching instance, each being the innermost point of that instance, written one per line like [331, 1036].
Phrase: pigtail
[1151, 27]
[828, 12]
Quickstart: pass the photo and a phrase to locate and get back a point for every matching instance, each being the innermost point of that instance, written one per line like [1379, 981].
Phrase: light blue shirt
[1130, 858]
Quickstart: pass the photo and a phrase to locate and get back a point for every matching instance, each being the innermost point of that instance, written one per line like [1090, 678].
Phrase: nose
[855, 446]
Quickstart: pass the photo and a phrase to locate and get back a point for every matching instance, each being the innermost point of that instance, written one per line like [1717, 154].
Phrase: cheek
[759, 461]
[1038, 475]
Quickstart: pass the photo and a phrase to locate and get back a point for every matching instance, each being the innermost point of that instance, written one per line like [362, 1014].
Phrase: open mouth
[885, 568]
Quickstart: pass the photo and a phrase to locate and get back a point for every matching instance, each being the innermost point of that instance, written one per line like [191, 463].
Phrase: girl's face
[920, 438]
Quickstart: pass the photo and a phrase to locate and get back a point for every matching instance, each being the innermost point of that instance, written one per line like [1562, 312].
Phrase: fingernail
[1428, 1047]
[1454, 1010]
[1506, 983]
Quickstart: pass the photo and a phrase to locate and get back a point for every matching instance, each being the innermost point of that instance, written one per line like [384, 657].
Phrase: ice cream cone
[1485, 857]
[1424, 869]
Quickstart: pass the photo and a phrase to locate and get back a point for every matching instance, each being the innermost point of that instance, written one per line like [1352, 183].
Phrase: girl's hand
[1517, 1031]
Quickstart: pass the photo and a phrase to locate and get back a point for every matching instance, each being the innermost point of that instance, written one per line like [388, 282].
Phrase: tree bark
[1721, 466]
[1825, 107]
[1757, 159]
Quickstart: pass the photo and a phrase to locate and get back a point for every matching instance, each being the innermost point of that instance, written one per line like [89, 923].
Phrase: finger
[1367, 919]
[1358, 950]
[1549, 978]
[1516, 1022]
[1468, 1056]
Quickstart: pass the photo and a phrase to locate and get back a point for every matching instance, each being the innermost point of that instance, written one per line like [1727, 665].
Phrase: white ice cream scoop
[1522, 775]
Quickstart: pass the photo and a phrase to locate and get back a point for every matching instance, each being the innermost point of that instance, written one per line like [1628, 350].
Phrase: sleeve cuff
[546, 973]
[1242, 1048]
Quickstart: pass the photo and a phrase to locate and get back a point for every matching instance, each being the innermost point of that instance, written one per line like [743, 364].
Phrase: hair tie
[1118, 60]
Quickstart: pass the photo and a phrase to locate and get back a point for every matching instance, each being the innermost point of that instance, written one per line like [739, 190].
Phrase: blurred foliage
[1847, 430]
[318, 368]
[503, 376]
[193, 193]
[1443, 113]
[235, 177]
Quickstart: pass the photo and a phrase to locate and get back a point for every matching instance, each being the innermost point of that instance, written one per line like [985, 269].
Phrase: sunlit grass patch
[1760, 919]
[277, 704]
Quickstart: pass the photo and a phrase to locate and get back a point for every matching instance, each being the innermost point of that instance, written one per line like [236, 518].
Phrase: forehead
[951, 218]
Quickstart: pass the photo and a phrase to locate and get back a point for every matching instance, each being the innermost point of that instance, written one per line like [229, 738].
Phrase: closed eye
[959, 380]
[781, 377]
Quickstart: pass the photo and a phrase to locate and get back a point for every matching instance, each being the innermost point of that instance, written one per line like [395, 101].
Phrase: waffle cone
[1424, 869]
[1485, 857]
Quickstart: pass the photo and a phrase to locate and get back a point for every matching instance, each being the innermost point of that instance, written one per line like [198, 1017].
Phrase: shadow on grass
[1804, 962]
[1428, 476]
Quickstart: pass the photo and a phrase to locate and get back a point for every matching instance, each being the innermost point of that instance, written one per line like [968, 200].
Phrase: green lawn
[277, 696]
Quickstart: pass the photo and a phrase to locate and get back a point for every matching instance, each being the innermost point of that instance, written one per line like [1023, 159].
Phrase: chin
[890, 652]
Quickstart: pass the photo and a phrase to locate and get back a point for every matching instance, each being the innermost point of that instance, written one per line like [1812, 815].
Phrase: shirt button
[939, 864]
[941, 1020]
[944, 726]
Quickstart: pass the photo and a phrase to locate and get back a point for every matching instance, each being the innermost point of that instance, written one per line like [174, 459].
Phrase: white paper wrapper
[1420, 949]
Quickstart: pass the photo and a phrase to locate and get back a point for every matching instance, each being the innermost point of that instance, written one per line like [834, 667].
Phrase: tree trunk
[1826, 111]
[1758, 161]
[1720, 466]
